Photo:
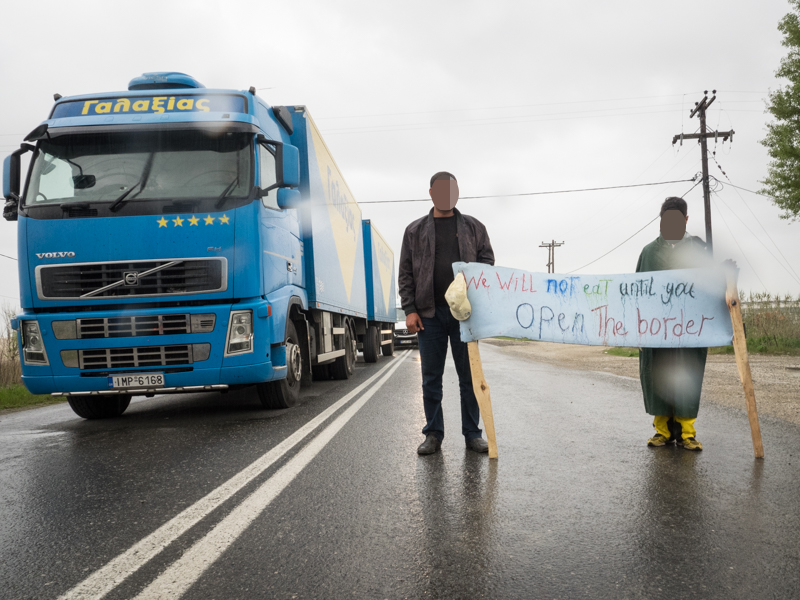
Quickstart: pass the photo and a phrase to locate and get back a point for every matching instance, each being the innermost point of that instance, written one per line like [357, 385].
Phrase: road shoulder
[777, 387]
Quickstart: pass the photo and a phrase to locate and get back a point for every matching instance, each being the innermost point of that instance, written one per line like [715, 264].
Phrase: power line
[424, 112]
[631, 237]
[521, 119]
[615, 247]
[623, 209]
[612, 187]
[757, 238]
[738, 187]
[6, 256]
[747, 206]
[724, 222]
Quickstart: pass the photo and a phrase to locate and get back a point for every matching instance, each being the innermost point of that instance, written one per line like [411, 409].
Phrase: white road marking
[109, 576]
[180, 576]
[615, 375]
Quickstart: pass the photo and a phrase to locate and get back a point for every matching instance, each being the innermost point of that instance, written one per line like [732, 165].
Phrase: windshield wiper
[119, 202]
[224, 195]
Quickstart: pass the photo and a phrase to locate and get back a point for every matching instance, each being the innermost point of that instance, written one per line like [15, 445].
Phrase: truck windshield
[152, 165]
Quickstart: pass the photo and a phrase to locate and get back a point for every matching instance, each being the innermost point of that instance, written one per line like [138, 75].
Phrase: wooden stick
[743, 363]
[483, 395]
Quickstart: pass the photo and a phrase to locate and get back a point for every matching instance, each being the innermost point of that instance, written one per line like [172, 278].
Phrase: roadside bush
[772, 323]
[10, 370]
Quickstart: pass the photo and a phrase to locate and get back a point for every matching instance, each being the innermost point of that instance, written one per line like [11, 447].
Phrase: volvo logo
[55, 255]
[131, 278]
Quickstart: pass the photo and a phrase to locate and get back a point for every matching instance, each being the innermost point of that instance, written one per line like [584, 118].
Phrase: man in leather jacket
[430, 246]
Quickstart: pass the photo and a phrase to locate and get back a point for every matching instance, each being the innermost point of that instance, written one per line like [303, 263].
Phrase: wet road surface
[208, 496]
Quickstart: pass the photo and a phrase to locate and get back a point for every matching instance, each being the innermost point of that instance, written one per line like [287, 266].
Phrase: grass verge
[756, 345]
[17, 396]
[622, 351]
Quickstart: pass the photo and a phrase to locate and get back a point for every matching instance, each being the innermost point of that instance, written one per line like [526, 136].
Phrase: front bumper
[409, 339]
[213, 373]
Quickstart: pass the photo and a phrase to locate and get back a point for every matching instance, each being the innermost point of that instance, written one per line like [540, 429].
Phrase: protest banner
[663, 309]
[683, 308]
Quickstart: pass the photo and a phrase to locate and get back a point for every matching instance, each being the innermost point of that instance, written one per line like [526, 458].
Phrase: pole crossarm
[551, 254]
[725, 135]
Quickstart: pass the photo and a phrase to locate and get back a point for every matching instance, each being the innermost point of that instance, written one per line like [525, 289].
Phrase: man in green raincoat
[672, 378]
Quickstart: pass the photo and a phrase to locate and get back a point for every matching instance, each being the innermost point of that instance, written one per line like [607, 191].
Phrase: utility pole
[700, 110]
[551, 254]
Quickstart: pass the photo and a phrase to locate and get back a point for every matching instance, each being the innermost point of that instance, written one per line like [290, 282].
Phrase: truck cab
[163, 247]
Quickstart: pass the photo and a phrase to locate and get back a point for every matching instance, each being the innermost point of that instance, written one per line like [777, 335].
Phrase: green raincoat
[672, 378]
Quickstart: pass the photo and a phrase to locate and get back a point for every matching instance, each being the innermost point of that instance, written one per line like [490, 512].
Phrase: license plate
[406, 341]
[136, 380]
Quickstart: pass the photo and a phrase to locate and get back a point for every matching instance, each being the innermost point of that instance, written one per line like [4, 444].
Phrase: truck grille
[86, 281]
[114, 327]
[146, 356]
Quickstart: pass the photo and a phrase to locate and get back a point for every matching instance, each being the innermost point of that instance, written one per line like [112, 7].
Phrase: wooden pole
[482, 394]
[742, 362]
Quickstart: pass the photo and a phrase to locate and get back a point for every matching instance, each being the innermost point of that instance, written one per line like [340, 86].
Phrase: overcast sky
[511, 97]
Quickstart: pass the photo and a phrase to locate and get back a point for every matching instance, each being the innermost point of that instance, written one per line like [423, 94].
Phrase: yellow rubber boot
[661, 438]
[688, 432]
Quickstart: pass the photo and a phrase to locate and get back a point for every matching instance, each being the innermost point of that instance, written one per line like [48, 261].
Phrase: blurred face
[444, 194]
[673, 225]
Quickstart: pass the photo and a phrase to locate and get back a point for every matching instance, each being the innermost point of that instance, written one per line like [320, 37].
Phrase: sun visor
[211, 126]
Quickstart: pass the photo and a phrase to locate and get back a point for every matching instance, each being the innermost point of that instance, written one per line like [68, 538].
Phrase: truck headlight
[240, 332]
[33, 351]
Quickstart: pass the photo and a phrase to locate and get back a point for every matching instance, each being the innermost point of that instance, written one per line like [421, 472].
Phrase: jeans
[433, 353]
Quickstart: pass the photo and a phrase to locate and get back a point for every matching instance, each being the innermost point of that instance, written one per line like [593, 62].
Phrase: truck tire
[388, 349]
[372, 344]
[342, 367]
[284, 393]
[99, 407]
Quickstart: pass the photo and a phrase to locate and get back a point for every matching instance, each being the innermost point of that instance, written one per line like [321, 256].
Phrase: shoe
[658, 440]
[477, 445]
[690, 444]
[430, 445]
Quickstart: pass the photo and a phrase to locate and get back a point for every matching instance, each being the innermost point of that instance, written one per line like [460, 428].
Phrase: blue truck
[174, 238]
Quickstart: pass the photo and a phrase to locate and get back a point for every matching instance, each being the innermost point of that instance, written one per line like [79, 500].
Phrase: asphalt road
[209, 496]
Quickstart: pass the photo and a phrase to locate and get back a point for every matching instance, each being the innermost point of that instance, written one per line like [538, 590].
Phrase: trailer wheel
[342, 367]
[372, 344]
[388, 349]
[285, 393]
[99, 407]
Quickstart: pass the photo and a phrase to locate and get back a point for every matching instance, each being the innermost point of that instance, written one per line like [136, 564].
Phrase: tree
[783, 135]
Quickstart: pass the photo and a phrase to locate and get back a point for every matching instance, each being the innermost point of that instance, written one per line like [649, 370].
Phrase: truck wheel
[372, 344]
[388, 349]
[343, 366]
[99, 407]
[285, 393]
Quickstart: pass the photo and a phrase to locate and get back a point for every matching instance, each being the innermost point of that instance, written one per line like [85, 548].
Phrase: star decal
[224, 219]
[162, 222]
[194, 220]
[178, 222]
[209, 220]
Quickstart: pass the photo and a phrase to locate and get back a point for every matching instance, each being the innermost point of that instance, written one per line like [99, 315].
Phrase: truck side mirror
[288, 198]
[288, 166]
[287, 163]
[11, 175]
[11, 169]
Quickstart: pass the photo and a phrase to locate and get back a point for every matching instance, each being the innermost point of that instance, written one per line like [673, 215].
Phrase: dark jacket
[415, 278]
